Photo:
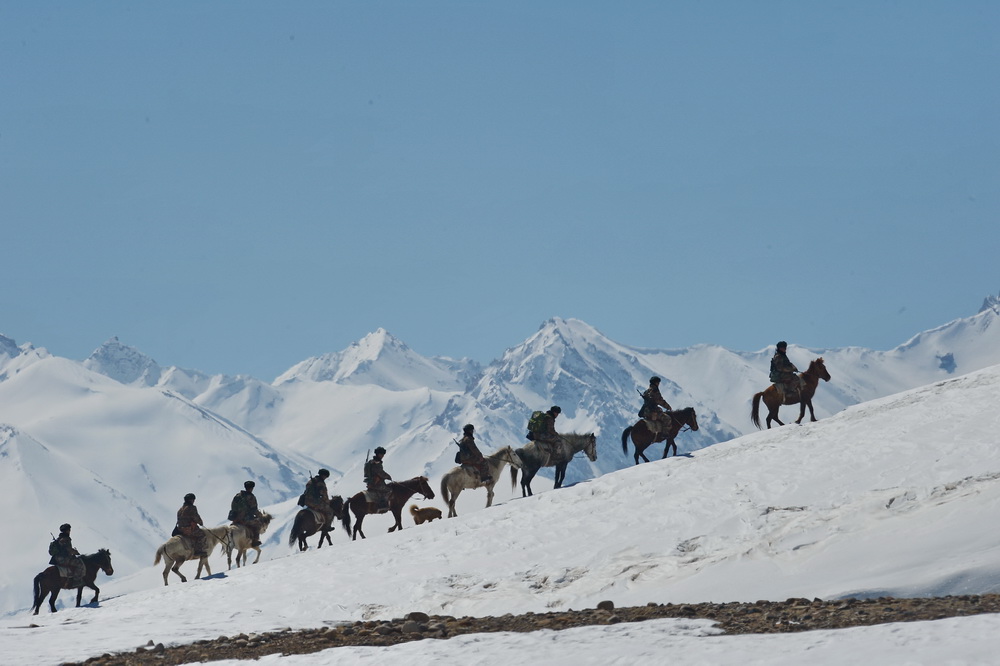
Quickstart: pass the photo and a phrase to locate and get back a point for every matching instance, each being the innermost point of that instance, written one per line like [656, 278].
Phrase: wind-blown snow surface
[896, 496]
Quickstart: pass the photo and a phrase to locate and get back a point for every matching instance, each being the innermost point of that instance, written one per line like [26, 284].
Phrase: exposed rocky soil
[733, 618]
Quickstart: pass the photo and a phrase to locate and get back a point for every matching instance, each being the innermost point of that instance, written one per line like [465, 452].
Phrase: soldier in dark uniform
[783, 371]
[189, 525]
[548, 437]
[652, 401]
[376, 479]
[244, 512]
[469, 454]
[65, 555]
[316, 497]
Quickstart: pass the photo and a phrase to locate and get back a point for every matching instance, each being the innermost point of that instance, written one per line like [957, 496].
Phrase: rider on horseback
[189, 525]
[376, 479]
[67, 558]
[546, 435]
[244, 511]
[469, 454]
[652, 400]
[316, 497]
[783, 372]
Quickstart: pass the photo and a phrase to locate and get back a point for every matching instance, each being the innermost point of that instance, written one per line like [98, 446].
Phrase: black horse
[305, 525]
[642, 437]
[50, 582]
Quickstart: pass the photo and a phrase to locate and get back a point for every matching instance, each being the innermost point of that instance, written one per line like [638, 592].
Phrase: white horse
[465, 477]
[242, 542]
[178, 549]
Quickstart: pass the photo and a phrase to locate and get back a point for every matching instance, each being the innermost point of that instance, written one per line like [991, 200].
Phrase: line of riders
[541, 429]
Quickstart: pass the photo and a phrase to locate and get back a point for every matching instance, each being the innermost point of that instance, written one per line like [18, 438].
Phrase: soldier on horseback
[783, 372]
[244, 511]
[652, 401]
[316, 497]
[376, 479]
[469, 454]
[189, 524]
[67, 558]
[542, 430]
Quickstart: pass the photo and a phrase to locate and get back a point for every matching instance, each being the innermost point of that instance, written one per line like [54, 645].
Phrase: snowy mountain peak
[991, 303]
[381, 359]
[123, 363]
[8, 347]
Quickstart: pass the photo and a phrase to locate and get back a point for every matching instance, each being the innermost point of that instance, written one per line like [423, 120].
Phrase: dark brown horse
[642, 436]
[50, 582]
[399, 494]
[305, 525]
[773, 399]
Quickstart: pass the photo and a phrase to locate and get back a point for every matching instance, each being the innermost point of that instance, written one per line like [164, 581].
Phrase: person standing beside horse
[469, 454]
[316, 497]
[65, 556]
[652, 401]
[189, 525]
[244, 511]
[783, 372]
[376, 479]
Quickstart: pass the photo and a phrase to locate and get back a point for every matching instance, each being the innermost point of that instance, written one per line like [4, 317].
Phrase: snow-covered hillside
[120, 426]
[890, 497]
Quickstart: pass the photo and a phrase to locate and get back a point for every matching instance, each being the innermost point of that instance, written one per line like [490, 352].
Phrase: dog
[425, 515]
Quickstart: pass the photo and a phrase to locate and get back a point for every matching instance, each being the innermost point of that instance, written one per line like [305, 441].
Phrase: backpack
[536, 424]
[54, 548]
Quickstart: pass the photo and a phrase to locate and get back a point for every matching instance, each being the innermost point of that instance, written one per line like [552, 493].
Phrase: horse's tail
[293, 534]
[513, 477]
[345, 517]
[160, 553]
[444, 492]
[625, 433]
[37, 589]
[754, 413]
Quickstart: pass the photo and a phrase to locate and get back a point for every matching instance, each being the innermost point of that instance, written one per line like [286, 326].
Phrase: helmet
[323, 472]
[249, 484]
[64, 527]
[654, 380]
[556, 409]
[189, 497]
[782, 345]
[468, 428]
[379, 451]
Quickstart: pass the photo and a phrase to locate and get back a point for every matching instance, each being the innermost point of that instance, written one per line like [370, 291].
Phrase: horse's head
[691, 418]
[590, 448]
[265, 520]
[104, 561]
[424, 487]
[818, 367]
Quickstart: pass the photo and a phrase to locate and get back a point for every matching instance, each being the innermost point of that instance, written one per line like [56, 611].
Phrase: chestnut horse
[400, 493]
[305, 525]
[810, 380]
[50, 582]
[642, 437]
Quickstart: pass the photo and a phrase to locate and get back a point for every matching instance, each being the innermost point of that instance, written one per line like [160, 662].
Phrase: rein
[416, 491]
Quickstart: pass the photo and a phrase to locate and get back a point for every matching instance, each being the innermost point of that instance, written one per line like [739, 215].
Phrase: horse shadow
[221, 574]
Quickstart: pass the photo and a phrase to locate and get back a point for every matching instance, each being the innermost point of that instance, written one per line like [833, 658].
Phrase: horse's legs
[52, 598]
[398, 513]
[256, 559]
[203, 563]
[489, 494]
[176, 569]
[452, 513]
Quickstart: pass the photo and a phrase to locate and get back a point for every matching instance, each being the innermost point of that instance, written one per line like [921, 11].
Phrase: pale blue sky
[237, 186]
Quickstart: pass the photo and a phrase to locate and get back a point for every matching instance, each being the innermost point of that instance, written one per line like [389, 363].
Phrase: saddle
[317, 516]
[787, 392]
[66, 579]
[375, 502]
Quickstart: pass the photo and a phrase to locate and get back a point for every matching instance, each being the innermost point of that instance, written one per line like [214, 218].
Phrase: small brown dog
[425, 515]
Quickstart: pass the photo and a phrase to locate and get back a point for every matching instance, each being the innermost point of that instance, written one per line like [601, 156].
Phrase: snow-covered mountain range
[121, 428]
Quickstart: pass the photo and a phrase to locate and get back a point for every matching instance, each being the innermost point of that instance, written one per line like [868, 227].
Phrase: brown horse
[305, 525]
[642, 436]
[399, 494]
[50, 582]
[773, 399]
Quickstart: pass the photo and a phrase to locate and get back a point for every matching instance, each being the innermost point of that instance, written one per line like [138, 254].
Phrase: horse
[642, 436]
[465, 477]
[178, 549]
[399, 494]
[305, 525]
[50, 581]
[241, 541]
[773, 399]
[534, 457]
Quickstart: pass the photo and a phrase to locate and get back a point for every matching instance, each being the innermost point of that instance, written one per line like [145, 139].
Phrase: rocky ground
[761, 617]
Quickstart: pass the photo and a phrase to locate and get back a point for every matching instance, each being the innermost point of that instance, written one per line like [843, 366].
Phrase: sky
[778, 514]
[236, 187]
